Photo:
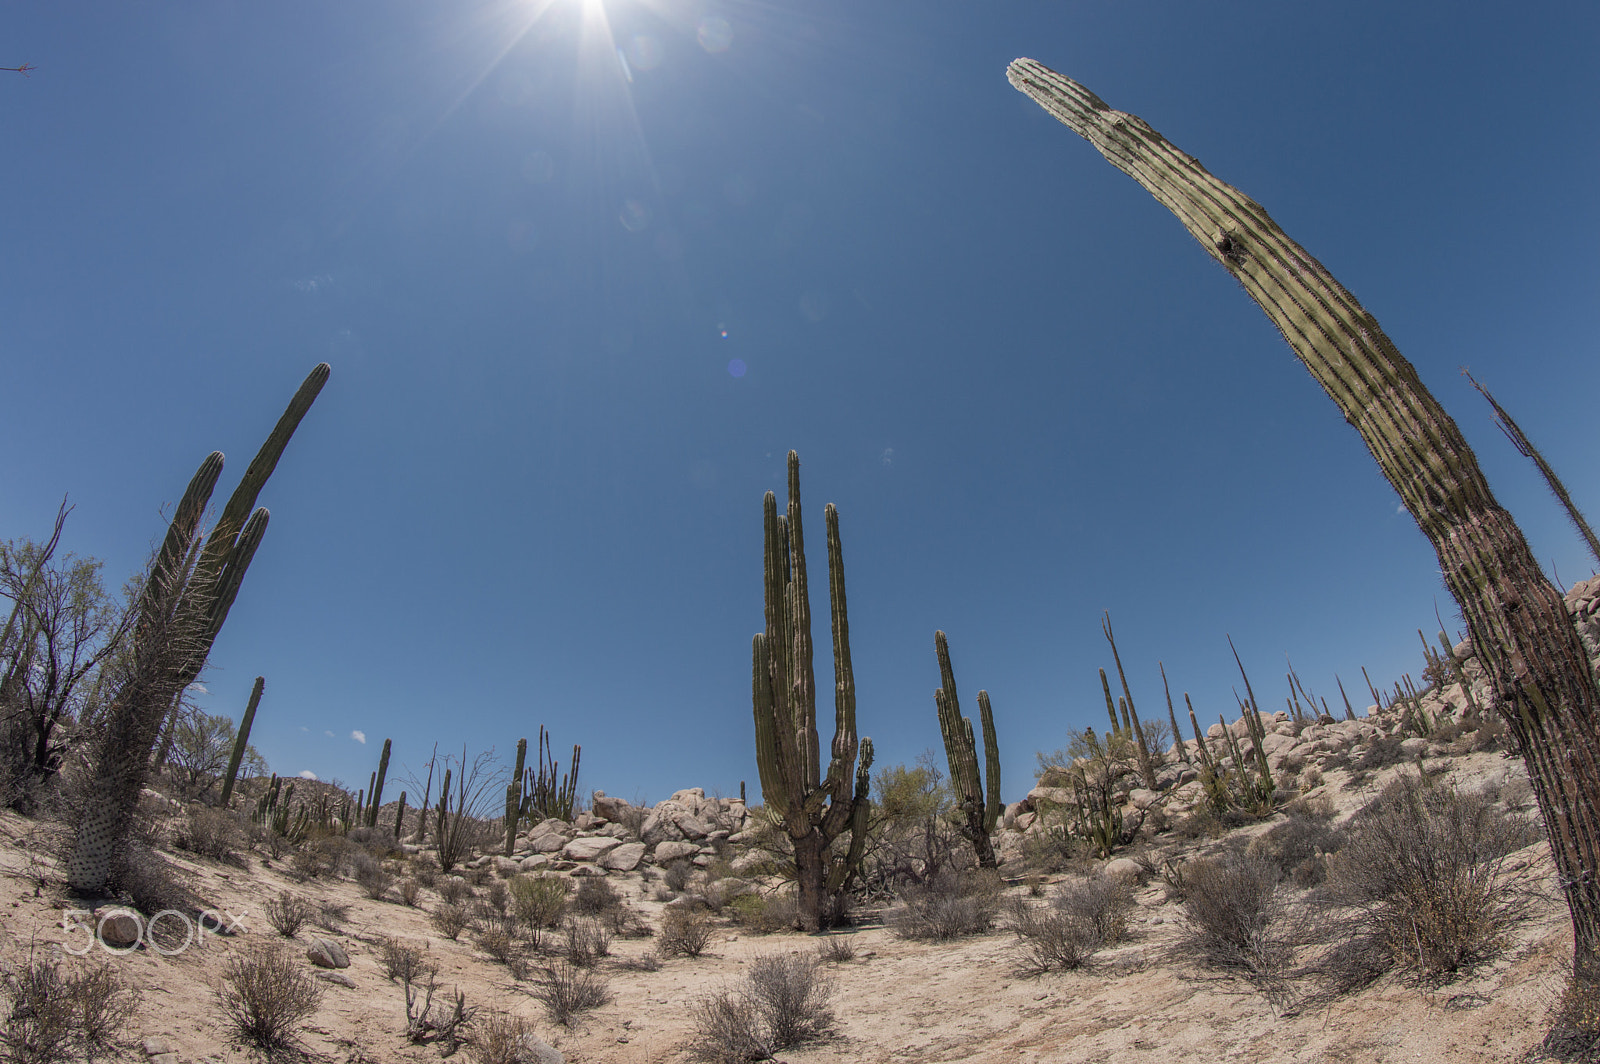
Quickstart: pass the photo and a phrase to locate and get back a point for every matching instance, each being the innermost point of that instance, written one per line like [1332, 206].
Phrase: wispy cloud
[307, 774]
[305, 729]
[330, 734]
[199, 688]
[887, 457]
[359, 736]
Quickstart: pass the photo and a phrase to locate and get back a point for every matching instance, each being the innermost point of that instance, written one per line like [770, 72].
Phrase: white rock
[589, 847]
[625, 858]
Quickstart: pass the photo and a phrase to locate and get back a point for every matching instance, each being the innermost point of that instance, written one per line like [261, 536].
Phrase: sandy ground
[897, 1001]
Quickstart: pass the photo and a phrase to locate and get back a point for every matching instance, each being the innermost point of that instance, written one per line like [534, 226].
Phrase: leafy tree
[201, 745]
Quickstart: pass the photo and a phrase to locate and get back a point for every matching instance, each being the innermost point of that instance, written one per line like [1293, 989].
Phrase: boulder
[1049, 796]
[337, 979]
[325, 953]
[1123, 867]
[507, 866]
[613, 809]
[667, 852]
[535, 862]
[549, 843]
[1413, 747]
[661, 825]
[119, 928]
[693, 827]
[625, 858]
[535, 1050]
[751, 861]
[1142, 798]
[589, 847]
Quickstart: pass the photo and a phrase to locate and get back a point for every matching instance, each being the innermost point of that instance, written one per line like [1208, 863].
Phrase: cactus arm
[804, 678]
[241, 740]
[1111, 707]
[400, 816]
[377, 786]
[1146, 768]
[991, 759]
[1172, 716]
[843, 753]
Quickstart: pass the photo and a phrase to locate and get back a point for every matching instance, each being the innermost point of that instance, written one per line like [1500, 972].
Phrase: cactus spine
[812, 808]
[1546, 689]
[980, 809]
[242, 740]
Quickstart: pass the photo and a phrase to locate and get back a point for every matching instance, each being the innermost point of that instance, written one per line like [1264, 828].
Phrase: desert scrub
[595, 896]
[585, 939]
[947, 906]
[566, 990]
[53, 1017]
[453, 889]
[1084, 917]
[1300, 845]
[449, 920]
[684, 932]
[538, 902]
[500, 1038]
[264, 997]
[287, 913]
[782, 1002]
[764, 914]
[1238, 919]
[1422, 875]
[212, 833]
[410, 890]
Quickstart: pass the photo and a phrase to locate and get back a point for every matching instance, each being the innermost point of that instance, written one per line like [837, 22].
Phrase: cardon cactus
[811, 808]
[979, 809]
[185, 601]
[375, 795]
[1146, 766]
[242, 740]
[1545, 688]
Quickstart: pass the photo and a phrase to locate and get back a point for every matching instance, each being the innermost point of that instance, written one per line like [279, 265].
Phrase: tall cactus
[813, 809]
[1146, 767]
[375, 794]
[980, 810]
[1544, 685]
[242, 740]
[182, 607]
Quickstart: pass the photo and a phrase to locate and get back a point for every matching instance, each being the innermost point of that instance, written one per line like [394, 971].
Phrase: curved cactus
[375, 794]
[980, 811]
[814, 810]
[183, 605]
[242, 740]
[1545, 687]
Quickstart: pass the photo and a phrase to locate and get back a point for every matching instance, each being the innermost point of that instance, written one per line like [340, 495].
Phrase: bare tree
[201, 745]
[62, 631]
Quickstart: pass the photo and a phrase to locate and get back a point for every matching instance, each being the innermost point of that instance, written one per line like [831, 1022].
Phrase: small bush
[500, 1038]
[764, 914]
[454, 890]
[56, 1018]
[212, 833]
[595, 896]
[497, 943]
[782, 1002]
[644, 962]
[331, 914]
[405, 963]
[497, 896]
[449, 920]
[586, 940]
[566, 990]
[1238, 918]
[1300, 845]
[410, 889]
[1102, 902]
[837, 950]
[676, 875]
[684, 933]
[947, 906]
[1422, 872]
[1052, 939]
[481, 876]
[625, 922]
[372, 877]
[791, 997]
[264, 997]
[287, 913]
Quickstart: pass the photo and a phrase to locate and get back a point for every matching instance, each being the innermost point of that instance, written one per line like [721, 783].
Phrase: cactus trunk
[979, 810]
[376, 794]
[814, 809]
[1545, 687]
[242, 740]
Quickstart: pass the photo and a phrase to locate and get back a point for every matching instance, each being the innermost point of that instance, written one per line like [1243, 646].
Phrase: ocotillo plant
[1545, 688]
[242, 740]
[375, 796]
[1525, 447]
[813, 809]
[979, 806]
[1146, 767]
[185, 600]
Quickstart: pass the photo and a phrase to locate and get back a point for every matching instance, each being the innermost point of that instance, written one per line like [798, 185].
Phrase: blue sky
[533, 239]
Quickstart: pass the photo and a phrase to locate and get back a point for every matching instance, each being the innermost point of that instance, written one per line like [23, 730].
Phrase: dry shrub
[764, 914]
[676, 875]
[410, 889]
[212, 833]
[625, 922]
[497, 897]
[55, 1017]
[264, 997]
[1102, 902]
[287, 913]
[644, 962]
[1238, 920]
[454, 890]
[1422, 873]
[947, 906]
[586, 940]
[684, 932]
[406, 963]
[782, 1001]
[1050, 938]
[538, 902]
[497, 943]
[566, 990]
[372, 877]
[837, 950]
[449, 920]
[595, 896]
[1300, 845]
[499, 1038]
[331, 914]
